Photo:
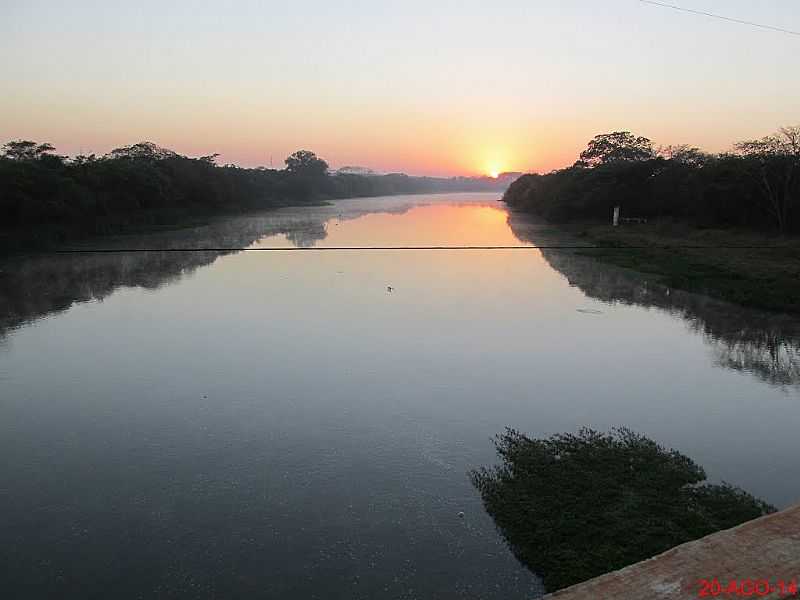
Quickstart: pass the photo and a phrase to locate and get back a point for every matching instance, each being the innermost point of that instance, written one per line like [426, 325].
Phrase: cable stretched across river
[398, 248]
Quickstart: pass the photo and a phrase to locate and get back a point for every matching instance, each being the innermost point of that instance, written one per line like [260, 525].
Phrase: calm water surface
[278, 425]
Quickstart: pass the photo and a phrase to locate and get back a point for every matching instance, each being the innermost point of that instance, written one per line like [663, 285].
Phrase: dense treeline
[757, 185]
[348, 185]
[141, 183]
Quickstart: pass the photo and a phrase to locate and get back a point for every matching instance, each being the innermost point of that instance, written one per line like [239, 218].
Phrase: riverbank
[56, 235]
[48, 199]
[744, 267]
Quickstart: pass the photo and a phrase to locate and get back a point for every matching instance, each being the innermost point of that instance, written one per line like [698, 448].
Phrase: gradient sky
[433, 87]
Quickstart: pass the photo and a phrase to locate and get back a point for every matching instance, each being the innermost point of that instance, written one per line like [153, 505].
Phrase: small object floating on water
[589, 311]
[461, 514]
[389, 289]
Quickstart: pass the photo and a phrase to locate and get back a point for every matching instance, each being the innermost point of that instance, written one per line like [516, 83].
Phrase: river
[220, 423]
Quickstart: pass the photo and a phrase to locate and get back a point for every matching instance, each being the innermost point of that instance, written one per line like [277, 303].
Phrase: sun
[494, 168]
[493, 164]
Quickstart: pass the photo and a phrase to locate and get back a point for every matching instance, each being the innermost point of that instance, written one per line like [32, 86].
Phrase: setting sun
[495, 162]
[494, 167]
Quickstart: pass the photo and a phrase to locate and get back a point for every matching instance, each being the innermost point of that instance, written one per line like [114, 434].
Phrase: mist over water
[280, 424]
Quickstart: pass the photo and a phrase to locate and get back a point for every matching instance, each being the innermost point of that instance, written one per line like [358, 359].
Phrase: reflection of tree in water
[611, 499]
[774, 361]
[766, 345]
[306, 235]
[34, 286]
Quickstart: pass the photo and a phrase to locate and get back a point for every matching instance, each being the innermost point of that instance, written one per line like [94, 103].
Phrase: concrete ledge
[766, 548]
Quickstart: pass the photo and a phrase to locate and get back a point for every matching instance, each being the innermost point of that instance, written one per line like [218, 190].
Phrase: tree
[684, 154]
[26, 150]
[620, 146]
[306, 163]
[355, 170]
[142, 151]
[775, 164]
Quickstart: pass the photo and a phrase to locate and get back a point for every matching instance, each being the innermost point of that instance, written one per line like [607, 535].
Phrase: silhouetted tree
[774, 162]
[142, 151]
[684, 154]
[615, 147]
[756, 186]
[307, 164]
[26, 150]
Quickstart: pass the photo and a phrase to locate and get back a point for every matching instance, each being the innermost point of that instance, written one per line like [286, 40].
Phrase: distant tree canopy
[146, 151]
[26, 150]
[306, 163]
[575, 506]
[757, 185]
[620, 146]
[354, 170]
[685, 155]
[143, 183]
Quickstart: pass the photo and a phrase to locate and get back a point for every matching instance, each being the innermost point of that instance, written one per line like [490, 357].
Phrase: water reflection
[765, 345]
[33, 287]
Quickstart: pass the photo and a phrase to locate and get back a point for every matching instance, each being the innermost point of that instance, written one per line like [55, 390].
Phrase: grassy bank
[744, 267]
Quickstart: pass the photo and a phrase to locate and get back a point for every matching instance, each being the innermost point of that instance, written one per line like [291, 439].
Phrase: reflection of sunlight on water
[447, 220]
[492, 215]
